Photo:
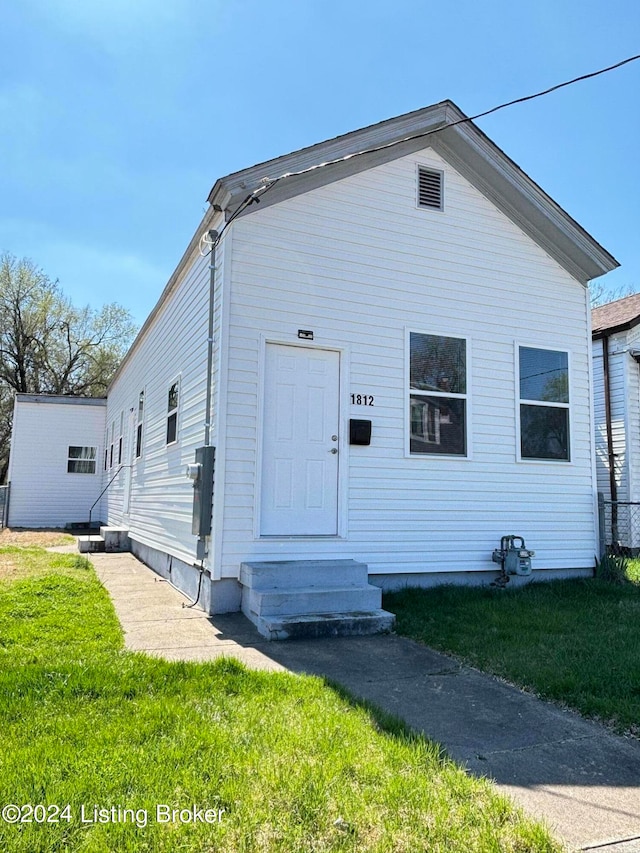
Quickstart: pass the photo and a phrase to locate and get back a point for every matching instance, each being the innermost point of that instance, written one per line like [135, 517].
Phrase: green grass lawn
[574, 641]
[284, 761]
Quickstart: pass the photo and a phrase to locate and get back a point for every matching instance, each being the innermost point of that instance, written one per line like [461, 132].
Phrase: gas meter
[514, 558]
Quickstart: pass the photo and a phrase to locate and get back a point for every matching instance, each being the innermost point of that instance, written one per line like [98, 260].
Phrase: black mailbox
[359, 432]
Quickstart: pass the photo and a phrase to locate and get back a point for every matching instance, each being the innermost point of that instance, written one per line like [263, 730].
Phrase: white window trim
[526, 460]
[112, 444]
[96, 460]
[442, 333]
[177, 380]
[120, 441]
[140, 423]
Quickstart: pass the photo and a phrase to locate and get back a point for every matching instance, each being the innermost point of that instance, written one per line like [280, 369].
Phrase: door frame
[130, 449]
[343, 442]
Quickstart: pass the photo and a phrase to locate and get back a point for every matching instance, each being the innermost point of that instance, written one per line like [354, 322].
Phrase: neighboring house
[55, 466]
[427, 291]
[616, 377]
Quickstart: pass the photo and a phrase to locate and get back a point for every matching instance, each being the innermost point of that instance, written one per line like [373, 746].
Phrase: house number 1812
[362, 399]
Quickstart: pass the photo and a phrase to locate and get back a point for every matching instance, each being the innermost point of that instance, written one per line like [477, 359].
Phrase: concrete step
[90, 544]
[310, 600]
[116, 539]
[304, 627]
[289, 574]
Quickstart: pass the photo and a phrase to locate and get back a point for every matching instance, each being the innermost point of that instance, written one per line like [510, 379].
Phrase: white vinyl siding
[328, 261]
[49, 437]
[624, 381]
[161, 496]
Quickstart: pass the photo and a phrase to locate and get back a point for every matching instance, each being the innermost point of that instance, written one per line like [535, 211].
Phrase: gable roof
[446, 129]
[443, 127]
[616, 316]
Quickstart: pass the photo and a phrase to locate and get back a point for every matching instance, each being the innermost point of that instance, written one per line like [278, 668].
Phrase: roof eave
[613, 330]
[468, 150]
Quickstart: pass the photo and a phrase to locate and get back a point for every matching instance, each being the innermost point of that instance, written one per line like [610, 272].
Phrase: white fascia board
[501, 180]
[463, 145]
[232, 189]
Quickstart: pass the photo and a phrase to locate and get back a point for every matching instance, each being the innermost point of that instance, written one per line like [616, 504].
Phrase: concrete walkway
[573, 774]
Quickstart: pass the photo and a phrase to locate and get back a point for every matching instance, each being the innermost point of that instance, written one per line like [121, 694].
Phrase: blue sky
[117, 116]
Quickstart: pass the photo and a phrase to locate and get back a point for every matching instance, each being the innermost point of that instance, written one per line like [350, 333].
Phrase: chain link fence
[620, 527]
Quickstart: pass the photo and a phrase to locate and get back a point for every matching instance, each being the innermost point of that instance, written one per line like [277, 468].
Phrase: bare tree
[601, 294]
[49, 346]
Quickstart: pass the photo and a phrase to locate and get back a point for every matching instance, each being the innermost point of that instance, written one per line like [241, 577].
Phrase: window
[113, 431]
[139, 426]
[120, 438]
[544, 403]
[172, 412]
[430, 185]
[81, 460]
[438, 394]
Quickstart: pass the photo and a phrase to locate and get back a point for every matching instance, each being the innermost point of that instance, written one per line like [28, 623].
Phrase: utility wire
[269, 183]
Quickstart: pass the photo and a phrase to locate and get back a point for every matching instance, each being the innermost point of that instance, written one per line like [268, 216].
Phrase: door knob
[333, 450]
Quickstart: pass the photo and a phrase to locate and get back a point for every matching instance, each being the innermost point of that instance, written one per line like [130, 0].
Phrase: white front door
[300, 442]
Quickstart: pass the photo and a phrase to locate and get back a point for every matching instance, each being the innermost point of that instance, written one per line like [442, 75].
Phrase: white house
[616, 375]
[386, 338]
[55, 467]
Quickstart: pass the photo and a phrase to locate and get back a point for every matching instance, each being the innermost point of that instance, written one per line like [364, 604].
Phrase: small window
[544, 404]
[438, 395]
[430, 188]
[120, 438]
[172, 412]
[139, 426]
[81, 460]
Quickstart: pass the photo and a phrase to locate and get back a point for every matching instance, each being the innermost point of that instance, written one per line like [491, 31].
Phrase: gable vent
[430, 188]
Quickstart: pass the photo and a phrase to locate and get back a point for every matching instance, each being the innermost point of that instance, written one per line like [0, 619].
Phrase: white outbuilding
[55, 468]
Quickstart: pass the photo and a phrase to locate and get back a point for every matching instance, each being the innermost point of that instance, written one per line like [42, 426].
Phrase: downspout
[202, 542]
[213, 236]
[613, 486]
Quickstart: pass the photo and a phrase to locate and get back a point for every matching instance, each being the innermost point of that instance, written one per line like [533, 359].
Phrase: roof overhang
[463, 145]
[613, 330]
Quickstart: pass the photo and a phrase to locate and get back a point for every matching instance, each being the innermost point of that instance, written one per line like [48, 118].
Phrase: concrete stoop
[298, 599]
[110, 540]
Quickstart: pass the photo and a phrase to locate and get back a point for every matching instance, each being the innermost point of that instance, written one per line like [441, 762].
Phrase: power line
[269, 183]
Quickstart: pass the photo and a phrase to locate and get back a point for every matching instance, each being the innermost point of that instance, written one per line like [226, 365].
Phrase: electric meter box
[202, 490]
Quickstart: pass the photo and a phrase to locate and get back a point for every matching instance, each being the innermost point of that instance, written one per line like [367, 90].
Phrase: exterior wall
[174, 347]
[359, 264]
[624, 382]
[43, 494]
[621, 375]
[633, 419]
